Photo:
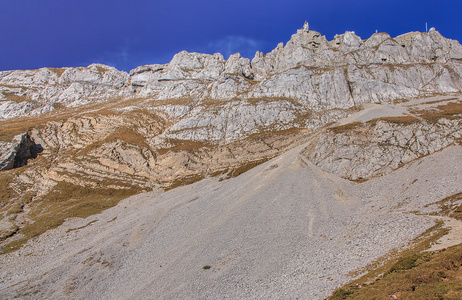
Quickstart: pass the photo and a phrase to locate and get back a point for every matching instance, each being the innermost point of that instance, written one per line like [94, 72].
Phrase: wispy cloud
[232, 44]
[118, 58]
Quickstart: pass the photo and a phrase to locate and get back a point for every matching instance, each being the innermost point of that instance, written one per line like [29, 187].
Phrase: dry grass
[403, 120]
[246, 167]
[101, 70]
[428, 275]
[6, 192]
[345, 128]
[398, 101]
[411, 273]
[451, 111]
[124, 134]
[375, 283]
[183, 145]
[13, 97]
[15, 209]
[270, 134]
[12, 127]
[81, 227]
[450, 208]
[182, 181]
[67, 200]
[58, 71]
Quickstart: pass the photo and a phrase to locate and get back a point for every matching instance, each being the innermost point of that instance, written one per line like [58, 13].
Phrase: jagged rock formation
[33, 92]
[16, 153]
[379, 147]
[111, 133]
[309, 73]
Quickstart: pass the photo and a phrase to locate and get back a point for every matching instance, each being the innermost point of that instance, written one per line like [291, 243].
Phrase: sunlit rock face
[316, 73]
[165, 125]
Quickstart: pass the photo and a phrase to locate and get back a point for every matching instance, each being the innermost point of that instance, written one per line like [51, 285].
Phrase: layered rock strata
[110, 133]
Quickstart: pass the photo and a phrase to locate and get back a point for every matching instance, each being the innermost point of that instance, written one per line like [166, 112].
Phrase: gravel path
[283, 230]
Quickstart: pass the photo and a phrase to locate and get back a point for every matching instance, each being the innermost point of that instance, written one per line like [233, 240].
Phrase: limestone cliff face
[377, 148]
[110, 133]
[308, 73]
[338, 73]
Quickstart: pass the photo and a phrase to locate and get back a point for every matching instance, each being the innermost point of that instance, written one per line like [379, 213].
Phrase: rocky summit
[345, 133]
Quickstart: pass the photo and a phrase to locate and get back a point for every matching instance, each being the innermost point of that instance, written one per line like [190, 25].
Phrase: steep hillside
[283, 230]
[355, 116]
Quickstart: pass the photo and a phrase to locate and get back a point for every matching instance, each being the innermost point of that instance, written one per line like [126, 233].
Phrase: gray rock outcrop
[33, 92]
[361, 151]
[16, 153]
[316, 74]
[165, 125]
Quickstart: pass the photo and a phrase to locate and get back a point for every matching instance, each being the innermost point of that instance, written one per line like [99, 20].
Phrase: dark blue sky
[129, 33]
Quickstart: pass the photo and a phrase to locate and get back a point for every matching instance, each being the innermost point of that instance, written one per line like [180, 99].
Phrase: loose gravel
[283, 230]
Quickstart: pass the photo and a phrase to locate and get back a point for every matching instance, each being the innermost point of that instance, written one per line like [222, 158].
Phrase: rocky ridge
[161, 126]
[361, 150]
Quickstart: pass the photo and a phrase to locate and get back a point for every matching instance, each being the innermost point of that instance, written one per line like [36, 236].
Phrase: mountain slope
[284, 229]
[347, 119]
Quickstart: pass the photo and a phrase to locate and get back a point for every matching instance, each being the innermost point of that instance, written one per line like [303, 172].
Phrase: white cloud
[232, 44]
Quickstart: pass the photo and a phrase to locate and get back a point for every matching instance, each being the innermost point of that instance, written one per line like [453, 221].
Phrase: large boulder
[16, 153]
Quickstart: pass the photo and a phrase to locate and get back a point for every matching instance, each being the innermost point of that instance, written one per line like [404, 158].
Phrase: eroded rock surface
[16, 153]
[379, 147]
[113, 133]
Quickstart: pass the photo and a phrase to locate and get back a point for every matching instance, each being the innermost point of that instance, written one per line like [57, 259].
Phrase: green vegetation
[412, 273]
[404, 263]
[428, 275]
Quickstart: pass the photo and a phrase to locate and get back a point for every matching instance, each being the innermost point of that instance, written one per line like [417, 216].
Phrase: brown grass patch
[81, 227]
[13, 97]
[183, 145]
[124, 134]
[183, 180]
[15, 209]
[270, 134]
[448, 208]
[410, 273]
[430, 275]
[6, 192]
[451, 111]
[11, 127]
[398, 101]
[345, 128]
[246, 167]
[58, 71]
[67, 200]
[404, 120]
